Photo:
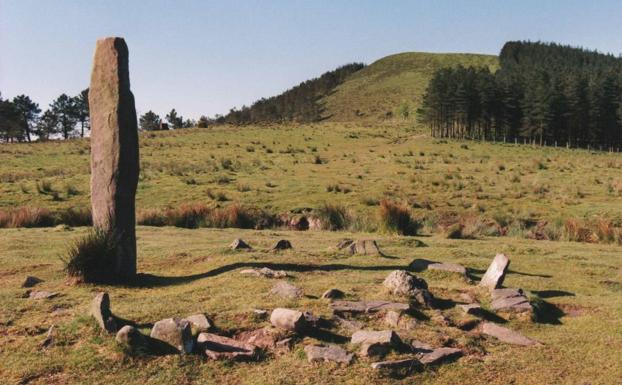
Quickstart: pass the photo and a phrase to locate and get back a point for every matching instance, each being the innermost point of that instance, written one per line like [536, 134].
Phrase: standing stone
[100, 310]
[495, 274]
[114, 152]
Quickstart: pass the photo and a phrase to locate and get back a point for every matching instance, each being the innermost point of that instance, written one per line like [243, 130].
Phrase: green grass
[581, 278]
[393, 84]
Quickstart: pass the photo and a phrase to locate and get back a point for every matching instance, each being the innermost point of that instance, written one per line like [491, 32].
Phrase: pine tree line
[300, 103]
[542, 93]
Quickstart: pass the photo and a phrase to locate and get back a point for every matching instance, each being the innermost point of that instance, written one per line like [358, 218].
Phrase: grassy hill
[395, 82]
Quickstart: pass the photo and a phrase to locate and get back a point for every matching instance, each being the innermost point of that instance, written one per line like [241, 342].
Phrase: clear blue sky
[204, 57]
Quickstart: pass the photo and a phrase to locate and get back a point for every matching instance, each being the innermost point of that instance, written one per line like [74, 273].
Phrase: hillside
[395, 82]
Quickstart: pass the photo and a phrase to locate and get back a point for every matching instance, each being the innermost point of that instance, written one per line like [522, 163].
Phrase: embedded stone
[199, 323]
[239, 244]
[402, 283]
[364, 247]
[448, 267]
[265, 272]
[354, 307]
[286, 290]
[41, 294]
[333, 293]
[440, 355]
[130, 336]
[100, 310]
[494, 276]
[282, 244]
[471, 308]
[327, 353]
[288, 319]
[114, 154]
[408, 363]
[175, 333]
[31, 281]
[510, 300]
[218, 348]
[507, 335]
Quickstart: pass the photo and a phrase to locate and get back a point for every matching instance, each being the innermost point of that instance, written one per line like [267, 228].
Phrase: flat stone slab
[367, 306]
[42, 294]
[220, 348]
[448, 267]
[408, 363]
[265, 272]
[264, 338]
[513, 300]
[439, 355]
[328, 354]
[376, 337]
[494, 276]
[507, 335]
[286, 290]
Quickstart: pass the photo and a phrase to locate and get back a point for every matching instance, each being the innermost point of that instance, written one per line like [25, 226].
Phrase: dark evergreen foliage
[300, 103]
[543, 93]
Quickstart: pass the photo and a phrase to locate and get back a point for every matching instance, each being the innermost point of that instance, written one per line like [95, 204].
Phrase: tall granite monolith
[114, 152]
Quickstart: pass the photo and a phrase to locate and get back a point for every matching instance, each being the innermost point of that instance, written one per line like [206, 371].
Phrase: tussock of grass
[397, 218]
[90, 258]
[333, 217]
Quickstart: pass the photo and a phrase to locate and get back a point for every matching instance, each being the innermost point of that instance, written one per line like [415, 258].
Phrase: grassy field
[394, 84]
[192, 271]
[281, 169]
[577, 286]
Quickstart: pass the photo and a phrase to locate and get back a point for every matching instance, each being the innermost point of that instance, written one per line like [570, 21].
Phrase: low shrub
[333, 217]
[26, 217]
[397, 218]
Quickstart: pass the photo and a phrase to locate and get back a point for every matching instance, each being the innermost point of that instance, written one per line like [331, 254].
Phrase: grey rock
[392, 318]
[333, 293]
[375, 343]
[365, 247]
[327, 353]
[100, 310]
[239, 244]
[31, 281]
[448, 267]
[494, 276]
[199, 323]
[131, 337]
[402, 283]
[114, 153]
[174, 332]
[439, 355]
[350, 325]
[41, 294]
[408, 363]
[344, 243]
[288, 319]
[286, 290]
[510, 300]
[264, 338]
[49, 337]
[218, 348]
[282, 244]
[421, 347]
[265, 272]
[507, 335]
[354, 307]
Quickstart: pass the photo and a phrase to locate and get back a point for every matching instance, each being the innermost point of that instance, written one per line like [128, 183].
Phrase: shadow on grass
[546, 313]
[151, 280]
[476, 274]
[553, 293]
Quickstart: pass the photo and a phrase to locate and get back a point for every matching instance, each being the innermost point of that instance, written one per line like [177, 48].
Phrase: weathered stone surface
[328, 353]
[349, 325]
[408, 363]
[376, 337]
[286, 290]
[344, 243]
[174, 332]
[341, 307]
[282, 244]
[114, 152]
[31, 281]
[510, 300]
[402, 283]
[218, 348]
[288, 319]
[239, 244]
[49, 337]
[448, 267]
[494, 276]
[41, 294]
[437, 356]
[471, 308]
[421, 347]
[333, 293]
[364, 247]
[392, 318]
[506, 335]
[199, 323]
[130, 336]
[264, 338]
[265, 272]
[100, 310]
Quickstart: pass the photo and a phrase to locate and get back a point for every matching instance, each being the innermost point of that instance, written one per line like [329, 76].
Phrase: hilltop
[393, 84]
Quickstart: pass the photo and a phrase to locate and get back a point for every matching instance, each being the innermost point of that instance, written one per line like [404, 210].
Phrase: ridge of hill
[394, 85]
